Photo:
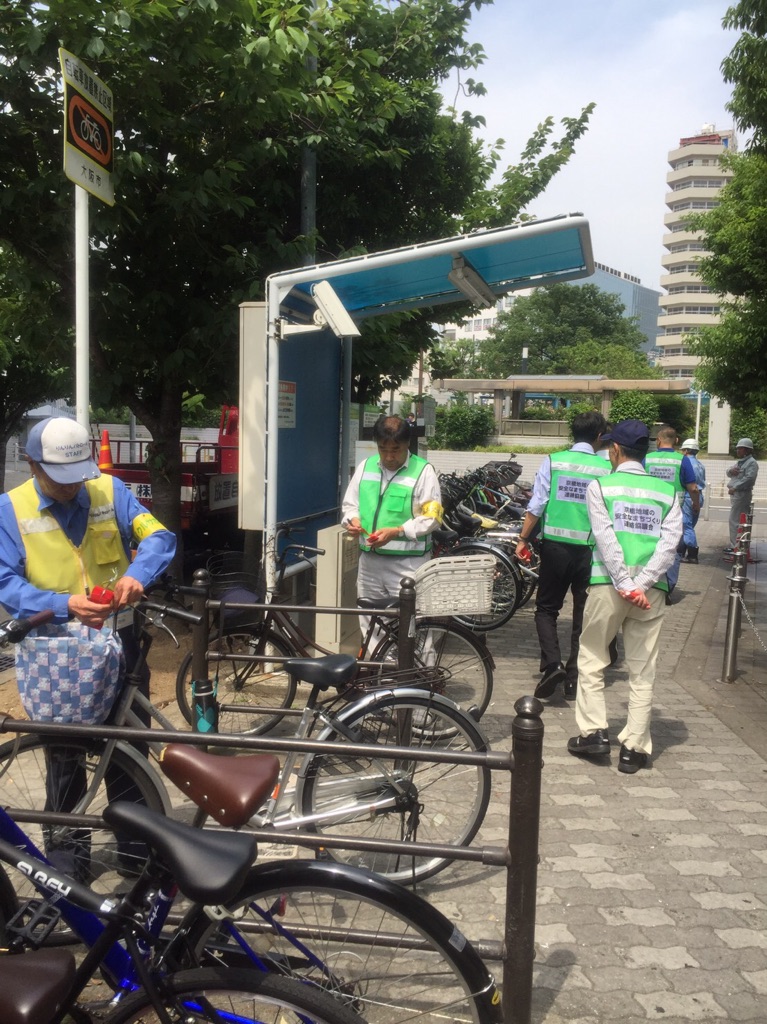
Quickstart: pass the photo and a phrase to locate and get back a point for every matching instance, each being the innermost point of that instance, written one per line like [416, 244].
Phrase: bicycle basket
[455, 585]
[230, 583]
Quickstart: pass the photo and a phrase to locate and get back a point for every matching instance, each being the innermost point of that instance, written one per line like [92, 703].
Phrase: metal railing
[520, 856]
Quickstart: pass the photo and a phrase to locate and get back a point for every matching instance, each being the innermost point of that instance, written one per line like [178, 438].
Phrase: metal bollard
[524, 826]
[406, 631]
[738, 581]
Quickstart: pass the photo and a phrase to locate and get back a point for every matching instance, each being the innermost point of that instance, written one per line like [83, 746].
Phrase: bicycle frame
[100, 937]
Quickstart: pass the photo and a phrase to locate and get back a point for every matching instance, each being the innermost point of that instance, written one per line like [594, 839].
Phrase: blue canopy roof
[506, 259]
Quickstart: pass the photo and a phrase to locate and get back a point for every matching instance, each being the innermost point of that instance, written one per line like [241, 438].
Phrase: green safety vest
[392, 506]
[566, 517]
[637, 505]
[667, 465]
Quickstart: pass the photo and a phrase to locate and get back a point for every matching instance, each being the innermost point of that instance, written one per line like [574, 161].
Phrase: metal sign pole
[82, 311]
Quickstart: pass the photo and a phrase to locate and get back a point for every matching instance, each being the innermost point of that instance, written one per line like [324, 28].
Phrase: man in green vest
[666, 463]
[559, 501]
[392, 505]
[636, 521]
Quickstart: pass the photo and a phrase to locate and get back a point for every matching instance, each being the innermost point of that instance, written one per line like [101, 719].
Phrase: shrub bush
[462, 427]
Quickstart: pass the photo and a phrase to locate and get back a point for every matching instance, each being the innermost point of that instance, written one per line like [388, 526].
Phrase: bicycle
[248, 656]
[375, 947]
[410, 800]
[144, 971]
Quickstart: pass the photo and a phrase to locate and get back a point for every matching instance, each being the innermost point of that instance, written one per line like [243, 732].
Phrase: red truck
[209, 480]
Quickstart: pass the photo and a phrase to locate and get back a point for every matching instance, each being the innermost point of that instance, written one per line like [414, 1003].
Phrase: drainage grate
[6, 661]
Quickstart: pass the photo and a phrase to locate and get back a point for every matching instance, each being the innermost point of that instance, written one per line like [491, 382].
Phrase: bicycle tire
[461, 661]
[242, 685]
[89, 855]
[381, 948]
[244, 995]
[507, 587]
[436, 802]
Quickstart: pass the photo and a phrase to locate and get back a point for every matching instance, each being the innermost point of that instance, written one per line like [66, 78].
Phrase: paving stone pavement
[652, 888]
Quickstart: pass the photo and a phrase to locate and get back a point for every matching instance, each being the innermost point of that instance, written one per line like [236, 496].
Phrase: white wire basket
[455, 585]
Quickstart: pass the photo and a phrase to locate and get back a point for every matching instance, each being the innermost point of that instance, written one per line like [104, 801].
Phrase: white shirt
[426, 489]
[542, 484]
[611, 551]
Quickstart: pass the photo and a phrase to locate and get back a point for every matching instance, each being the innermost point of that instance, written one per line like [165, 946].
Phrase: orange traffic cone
[105, 452]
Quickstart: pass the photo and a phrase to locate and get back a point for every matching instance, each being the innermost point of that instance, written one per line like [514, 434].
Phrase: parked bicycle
[144, 970]
[377, 948]
[249, 655]
[367, 797]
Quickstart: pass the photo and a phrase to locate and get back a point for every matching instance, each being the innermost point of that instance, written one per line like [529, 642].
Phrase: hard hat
[745, 442]
[691, 443]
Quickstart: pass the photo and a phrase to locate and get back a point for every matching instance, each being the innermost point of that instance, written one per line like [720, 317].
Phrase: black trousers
[563, 567]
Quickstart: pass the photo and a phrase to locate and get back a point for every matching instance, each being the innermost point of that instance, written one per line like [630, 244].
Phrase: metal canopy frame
[494, 262]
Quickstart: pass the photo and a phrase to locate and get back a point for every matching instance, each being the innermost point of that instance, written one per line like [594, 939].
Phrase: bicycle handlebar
[170, 609]
[14, 631]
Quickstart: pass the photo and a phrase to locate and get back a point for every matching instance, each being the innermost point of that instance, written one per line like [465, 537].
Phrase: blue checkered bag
[69, 672]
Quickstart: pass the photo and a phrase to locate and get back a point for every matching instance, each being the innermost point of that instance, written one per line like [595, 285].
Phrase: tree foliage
[634, 405]
[734, 352]
[461, 427]
[565, 329]
[216, 103]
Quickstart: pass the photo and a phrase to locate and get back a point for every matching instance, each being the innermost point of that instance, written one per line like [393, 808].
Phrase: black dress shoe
[594, 745]
[552, 677]
[571, 689]
[631, 761]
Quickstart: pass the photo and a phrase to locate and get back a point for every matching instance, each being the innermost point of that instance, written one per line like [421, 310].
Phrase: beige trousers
[607, 612]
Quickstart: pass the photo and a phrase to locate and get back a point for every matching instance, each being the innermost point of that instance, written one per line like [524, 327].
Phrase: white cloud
[653, 69]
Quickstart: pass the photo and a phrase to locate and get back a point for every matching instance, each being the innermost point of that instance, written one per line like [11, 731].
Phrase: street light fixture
[471, 284]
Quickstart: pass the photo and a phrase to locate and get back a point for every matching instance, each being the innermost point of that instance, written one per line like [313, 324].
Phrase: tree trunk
[164, 465]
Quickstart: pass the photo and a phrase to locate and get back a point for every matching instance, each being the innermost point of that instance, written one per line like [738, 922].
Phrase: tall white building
[694, 181]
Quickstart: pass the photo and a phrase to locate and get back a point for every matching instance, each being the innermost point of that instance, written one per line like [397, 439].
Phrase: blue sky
[553, 58]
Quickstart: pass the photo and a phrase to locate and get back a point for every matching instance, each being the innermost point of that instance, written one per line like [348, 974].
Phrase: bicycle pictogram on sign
[88, 130]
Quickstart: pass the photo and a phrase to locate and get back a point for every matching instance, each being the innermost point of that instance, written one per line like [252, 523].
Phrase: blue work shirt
[21, 599]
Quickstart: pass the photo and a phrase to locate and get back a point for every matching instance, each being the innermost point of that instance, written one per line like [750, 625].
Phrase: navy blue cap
[631, 433]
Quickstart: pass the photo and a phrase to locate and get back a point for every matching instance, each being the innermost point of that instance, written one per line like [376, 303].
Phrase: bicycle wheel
[95, 856]
[455, 660]
[221, 994]
[374, 945]
[244, 685]
[425, 801]
[507, 588]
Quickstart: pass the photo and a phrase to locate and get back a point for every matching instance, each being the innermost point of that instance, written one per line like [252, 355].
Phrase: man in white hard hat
[742, 477]
[690, 448]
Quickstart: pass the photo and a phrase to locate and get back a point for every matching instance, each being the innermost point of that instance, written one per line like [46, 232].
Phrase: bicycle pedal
[33, 922]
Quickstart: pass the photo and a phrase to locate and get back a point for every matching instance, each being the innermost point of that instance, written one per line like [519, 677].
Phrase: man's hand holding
[90, 613]
[354, 527]
[522, 551]
[383, 536]
[636, 597]
[127, 591]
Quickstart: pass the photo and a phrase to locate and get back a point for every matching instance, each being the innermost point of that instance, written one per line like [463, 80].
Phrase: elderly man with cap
[636, 521]
[690, 514]
[741, 486]
[63, 533]
[69, 529]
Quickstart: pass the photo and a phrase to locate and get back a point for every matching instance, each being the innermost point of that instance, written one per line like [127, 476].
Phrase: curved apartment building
[694, 181]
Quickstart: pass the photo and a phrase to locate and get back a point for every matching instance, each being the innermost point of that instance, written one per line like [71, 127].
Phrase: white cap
[745, 442]
[63, 448]
[691, 443]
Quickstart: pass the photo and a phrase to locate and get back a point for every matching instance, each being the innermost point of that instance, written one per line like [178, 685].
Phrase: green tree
[634, 405]
[734, 353]
[454, 360]
[462, 427]
[216, 103]
[558, 324]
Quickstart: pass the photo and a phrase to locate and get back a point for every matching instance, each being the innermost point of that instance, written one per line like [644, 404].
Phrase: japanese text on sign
[663, 472]
[286, 404]
[572, 488]
[631, 517]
